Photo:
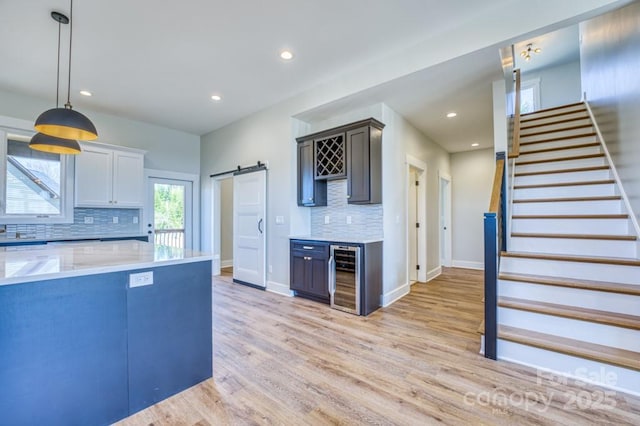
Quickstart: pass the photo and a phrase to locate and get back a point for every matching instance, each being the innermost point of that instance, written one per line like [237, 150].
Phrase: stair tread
[608, 287]
[560, 148]
[574, 258]
[559, 184]
[557, 159]
[570, 216]
[575, 236]
[526, 116]
[527, 126]
[566, 129]
[572, 312]
[573, 170]
[559, 138]
[620, 357]
[563, 199]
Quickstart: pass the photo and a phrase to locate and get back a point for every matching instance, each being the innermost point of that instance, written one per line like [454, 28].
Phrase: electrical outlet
[88, 219]
[140, 279]
[327, 219]
[279, 220]
[135, 219]
[270, 269]
[115, 219]
[348, 220]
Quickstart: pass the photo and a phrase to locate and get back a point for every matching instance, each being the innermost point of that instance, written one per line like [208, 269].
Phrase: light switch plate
[115, 219]
[279, 220]
[327, 219]
[348, 220]
[140, 279]
[88, 219]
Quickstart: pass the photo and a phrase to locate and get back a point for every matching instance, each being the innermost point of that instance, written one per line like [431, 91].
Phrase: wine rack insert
[330, 157]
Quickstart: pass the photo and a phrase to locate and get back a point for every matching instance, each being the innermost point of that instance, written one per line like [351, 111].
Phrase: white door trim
[195, 199]
[445, 260]
[421, 166]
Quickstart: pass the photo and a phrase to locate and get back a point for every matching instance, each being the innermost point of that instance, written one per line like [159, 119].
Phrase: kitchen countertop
[337, 238]
[20, 264]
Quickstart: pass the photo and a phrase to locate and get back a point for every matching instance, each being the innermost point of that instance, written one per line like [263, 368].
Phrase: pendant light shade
[46, 143]
[66, 123]
[60, 128]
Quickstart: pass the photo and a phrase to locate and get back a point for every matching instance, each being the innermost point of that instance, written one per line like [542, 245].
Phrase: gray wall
[610, 56]
[559, 85]
[167, 149]
[472, 178]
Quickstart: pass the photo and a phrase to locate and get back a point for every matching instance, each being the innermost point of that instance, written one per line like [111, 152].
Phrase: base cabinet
[309, 269]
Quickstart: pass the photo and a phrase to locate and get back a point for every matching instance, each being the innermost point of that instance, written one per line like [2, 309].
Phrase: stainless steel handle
[308, 247]
[348, 196]
[260, 226]
[332, 281]
[307, 257]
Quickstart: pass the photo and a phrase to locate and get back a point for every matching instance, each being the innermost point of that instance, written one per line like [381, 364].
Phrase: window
[529, 96]
[36, 187]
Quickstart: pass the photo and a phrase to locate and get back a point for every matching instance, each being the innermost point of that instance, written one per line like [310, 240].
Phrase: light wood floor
[288, 361]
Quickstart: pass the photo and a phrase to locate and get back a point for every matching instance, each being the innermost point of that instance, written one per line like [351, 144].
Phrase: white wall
[226, 222]
[472, 177]
[610, 64]
[167, 149]
[559, 85]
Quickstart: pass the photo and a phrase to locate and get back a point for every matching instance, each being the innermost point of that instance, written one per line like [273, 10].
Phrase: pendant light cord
[68, 104]
[58, 69]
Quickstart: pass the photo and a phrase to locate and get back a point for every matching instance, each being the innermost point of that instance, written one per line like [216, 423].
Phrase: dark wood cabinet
[311, 192]
[364, 176]
[353, 151]
[309, 269]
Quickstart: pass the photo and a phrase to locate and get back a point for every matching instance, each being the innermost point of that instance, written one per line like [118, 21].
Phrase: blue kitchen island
[93, 332]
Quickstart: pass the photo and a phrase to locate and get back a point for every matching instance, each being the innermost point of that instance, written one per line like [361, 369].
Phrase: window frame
[533, 84]
[21, 130]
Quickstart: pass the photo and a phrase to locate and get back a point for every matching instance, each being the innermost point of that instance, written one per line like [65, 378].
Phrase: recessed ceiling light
[86, 93]
[475, 144]
[451, 115]
[286, 55]
[216, 97]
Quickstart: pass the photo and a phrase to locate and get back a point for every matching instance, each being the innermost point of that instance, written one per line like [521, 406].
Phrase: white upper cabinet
[108, 177]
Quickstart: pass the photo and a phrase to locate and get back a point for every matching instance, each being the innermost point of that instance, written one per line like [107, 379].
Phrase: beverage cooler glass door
[344, 278]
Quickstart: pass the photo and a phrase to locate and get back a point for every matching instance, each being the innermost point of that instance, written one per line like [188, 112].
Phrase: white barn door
[249, 228]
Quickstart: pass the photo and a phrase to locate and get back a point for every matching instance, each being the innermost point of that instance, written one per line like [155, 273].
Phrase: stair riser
[536, 115]
[560, 165]
[553, 126]
[586, 331]
[556, 135]
[572, 226]
[568, 207]
[614, 377]
[604, 248]
[576, 270]
[554, 118]
[557, 143]
[565, 191]
[599, 300]
[563, 177]
[558, 154]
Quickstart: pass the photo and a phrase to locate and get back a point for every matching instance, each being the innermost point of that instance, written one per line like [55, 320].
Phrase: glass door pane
[169, 214]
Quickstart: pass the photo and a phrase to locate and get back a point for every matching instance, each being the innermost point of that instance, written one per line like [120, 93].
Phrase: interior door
[249, 228]
[413, 230]
[170, 218]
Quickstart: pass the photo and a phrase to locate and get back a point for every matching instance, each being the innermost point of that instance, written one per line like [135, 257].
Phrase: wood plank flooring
[289, 361]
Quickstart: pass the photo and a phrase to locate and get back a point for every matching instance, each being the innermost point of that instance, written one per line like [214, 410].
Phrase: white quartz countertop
[20, 264]
[337, 238]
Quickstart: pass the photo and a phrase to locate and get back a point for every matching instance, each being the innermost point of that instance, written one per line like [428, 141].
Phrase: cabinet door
[298, 271]
[94, 177]
[319, 283]
[311, 192]
[128, 179]
[358, 178]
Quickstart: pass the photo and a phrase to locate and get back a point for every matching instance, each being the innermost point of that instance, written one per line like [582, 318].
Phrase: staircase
[569, 286]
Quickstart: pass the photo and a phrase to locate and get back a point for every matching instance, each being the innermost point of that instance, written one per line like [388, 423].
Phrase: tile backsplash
[103, 225]
[366, 220]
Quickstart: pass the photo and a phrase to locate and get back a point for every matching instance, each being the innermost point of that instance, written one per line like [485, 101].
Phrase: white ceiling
[159, 61]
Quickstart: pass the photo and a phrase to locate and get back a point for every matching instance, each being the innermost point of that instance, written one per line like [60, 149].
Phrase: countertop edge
[336, 239]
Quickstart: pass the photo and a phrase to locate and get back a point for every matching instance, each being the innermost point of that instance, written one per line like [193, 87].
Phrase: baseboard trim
[467, 264]
[279, 288]
[395, 295]
[226, 263]
[434, 273]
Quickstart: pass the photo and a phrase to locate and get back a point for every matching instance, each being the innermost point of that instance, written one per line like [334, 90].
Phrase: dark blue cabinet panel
[63, 346]
[170, 334]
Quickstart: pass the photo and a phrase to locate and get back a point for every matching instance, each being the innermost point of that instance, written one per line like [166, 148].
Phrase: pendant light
[65, 122]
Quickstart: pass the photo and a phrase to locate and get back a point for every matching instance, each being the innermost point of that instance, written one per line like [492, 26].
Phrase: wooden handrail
[494, 204]
[515, 148]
